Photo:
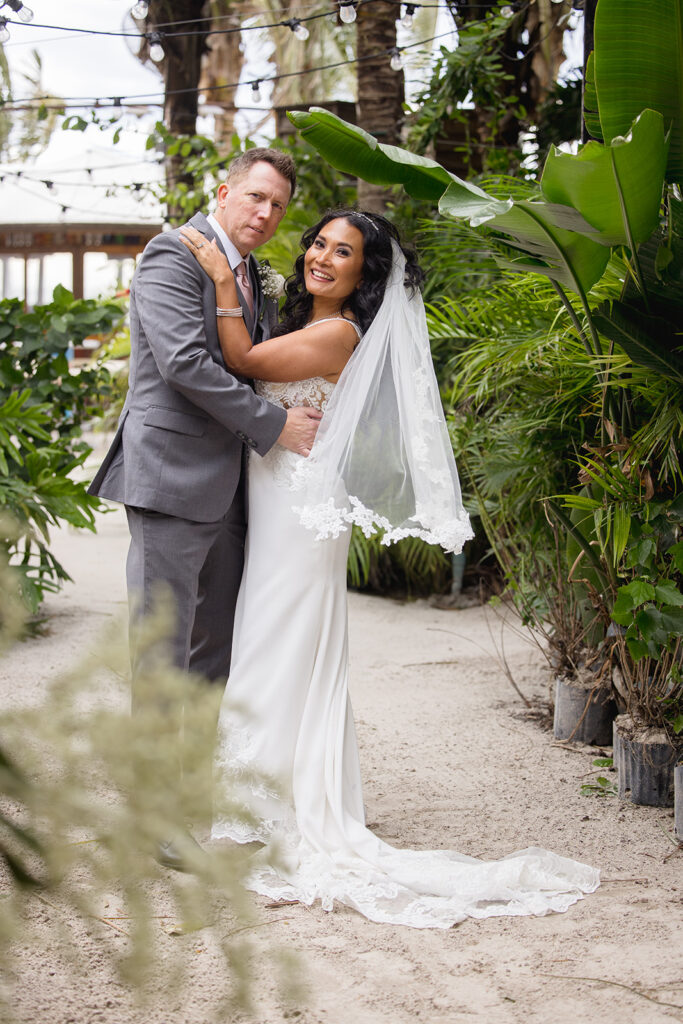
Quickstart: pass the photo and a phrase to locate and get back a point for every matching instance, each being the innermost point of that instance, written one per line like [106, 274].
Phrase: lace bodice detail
[314, 392]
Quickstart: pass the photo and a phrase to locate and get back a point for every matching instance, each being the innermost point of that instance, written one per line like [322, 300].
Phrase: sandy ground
[449, 761]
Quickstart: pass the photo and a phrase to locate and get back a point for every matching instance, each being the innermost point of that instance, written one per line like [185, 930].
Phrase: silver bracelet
[235, 311]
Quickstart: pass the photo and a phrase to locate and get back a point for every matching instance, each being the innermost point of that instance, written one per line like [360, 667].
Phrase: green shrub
[42, 408]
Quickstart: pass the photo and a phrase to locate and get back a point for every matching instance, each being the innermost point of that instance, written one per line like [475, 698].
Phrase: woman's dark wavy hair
[364, 302]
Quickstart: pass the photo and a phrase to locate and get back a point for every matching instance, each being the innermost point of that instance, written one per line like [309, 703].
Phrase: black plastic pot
[652, 759]
[678, 802]
[621, 754]
[583, 714]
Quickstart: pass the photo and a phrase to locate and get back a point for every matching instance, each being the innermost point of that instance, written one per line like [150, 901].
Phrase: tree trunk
[181, 69]
[222, 65]
[380, 89]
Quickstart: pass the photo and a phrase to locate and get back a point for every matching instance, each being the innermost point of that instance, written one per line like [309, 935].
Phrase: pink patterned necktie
[242, 277]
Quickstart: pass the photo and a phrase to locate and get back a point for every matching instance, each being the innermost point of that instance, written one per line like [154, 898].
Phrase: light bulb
[407, 19]
[4, 31]
[140, 10]
[23, 12]
[347, 12]
[299, 30]
[256, 92]
[156, 50]
[396, 63]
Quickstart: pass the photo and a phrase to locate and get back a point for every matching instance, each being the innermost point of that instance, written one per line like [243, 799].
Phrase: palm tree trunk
[380, 88]
[222, 65]
[181, 69]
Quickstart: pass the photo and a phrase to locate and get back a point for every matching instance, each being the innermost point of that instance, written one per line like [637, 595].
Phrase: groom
[177, 460]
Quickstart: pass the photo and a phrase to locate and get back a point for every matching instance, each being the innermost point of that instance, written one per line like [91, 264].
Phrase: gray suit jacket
[179, 444]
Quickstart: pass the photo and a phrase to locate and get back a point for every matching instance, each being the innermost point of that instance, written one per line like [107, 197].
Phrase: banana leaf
[557, 239]
[616, 187]
[638, 64]
[354, 151]
[571, 258]
[651, 341]
[591, 116]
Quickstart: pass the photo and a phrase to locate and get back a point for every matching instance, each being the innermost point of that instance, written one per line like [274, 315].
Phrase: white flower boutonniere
[271, 282]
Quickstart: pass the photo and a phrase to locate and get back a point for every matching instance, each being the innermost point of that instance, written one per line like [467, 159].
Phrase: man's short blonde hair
[282, 162]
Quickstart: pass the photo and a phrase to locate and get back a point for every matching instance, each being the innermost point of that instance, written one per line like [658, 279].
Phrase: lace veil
[382, 457]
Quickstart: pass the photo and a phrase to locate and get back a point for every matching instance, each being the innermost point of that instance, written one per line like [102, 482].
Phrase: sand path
[449, 761]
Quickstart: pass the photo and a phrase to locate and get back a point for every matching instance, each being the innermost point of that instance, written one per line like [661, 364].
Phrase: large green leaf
[572, 259]
[617, 187]
[590, 100]
[648, 340]
[352, 150]
[638, 64]
[556, 237]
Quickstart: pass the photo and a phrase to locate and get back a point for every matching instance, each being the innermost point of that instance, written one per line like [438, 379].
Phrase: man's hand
[300, 429]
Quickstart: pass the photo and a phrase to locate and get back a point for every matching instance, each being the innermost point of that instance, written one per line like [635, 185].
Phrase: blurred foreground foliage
[86, 793]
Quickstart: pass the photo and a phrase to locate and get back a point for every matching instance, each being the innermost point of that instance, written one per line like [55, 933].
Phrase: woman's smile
[333, 265]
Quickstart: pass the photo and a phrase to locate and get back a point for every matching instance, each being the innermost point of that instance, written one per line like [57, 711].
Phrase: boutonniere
[271, 282]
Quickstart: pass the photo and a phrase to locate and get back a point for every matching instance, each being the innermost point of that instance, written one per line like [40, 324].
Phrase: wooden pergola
[116, 240]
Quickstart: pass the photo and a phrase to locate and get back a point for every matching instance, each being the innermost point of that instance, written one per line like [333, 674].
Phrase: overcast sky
[76, 64]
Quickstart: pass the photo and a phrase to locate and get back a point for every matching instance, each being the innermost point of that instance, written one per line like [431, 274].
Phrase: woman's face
[333, 266]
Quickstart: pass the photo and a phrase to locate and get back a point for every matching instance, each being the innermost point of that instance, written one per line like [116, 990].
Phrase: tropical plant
[410, 568]
[42, 407]
[594, 229]
[487, 93]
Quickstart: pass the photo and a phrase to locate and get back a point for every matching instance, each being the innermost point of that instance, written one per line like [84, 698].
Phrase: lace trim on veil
[329, 520]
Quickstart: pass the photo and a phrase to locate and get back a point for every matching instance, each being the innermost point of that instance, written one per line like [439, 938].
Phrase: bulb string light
[105, 102]
[208, 31]
[347, 11]
[66, 208]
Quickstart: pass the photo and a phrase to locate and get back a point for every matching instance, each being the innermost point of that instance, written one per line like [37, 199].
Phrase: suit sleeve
[168, 294]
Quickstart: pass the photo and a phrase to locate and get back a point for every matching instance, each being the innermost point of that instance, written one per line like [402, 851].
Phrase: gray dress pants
[197, 565]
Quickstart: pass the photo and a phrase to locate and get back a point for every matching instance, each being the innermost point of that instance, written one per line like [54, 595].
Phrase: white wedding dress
[287, 746]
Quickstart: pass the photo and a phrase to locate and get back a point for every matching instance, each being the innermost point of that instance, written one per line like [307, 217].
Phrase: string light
[156, 50]
[85, 102]
[140, 10]
[256, 92]
[4, 31]
[396, 62]
[407, 19]
[299, 30]
[22, 12]
[347, 11]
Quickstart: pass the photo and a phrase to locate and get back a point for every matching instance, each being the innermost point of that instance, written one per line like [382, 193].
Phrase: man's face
[250, 208]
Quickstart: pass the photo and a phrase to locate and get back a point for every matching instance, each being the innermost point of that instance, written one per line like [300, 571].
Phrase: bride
[353, 343]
